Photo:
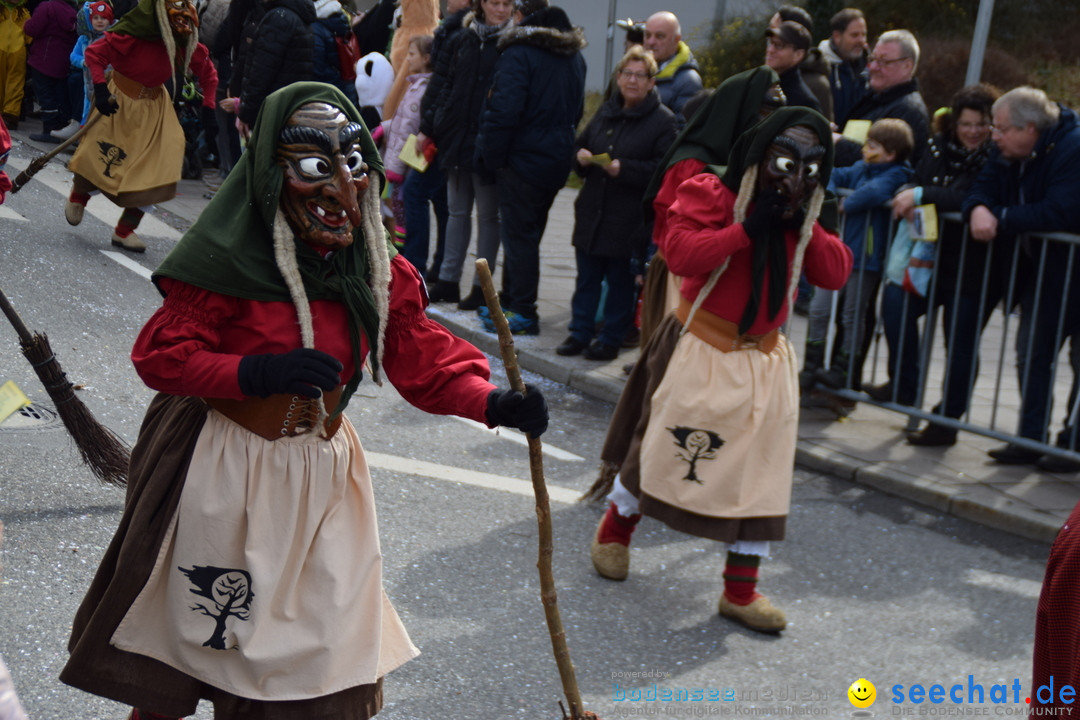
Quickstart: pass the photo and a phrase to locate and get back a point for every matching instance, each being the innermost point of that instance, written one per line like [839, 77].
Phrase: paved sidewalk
[867, 447]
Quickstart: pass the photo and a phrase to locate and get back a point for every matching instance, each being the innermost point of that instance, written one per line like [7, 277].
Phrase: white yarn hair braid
[285, 256]
[170, 42]
[378, 259]
[378, 262]
[742, 202]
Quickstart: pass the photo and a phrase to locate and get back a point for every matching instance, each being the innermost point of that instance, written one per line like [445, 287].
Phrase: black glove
[103, 100]
[299, 372]
[527, 413]
[766, 215]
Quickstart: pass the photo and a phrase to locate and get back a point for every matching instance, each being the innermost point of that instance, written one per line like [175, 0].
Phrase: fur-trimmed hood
[548, 29]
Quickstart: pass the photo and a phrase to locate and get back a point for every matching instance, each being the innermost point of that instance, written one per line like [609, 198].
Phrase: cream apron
[721, 435]
[269, 581]
[138, 147]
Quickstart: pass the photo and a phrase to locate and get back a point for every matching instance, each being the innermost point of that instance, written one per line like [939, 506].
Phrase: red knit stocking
[129, 220]
[740, 577]
[616, 528]
[79, 198]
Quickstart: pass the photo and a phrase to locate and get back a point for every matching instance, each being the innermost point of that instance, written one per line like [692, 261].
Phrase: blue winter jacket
[1039, 193]
[873, 185]
[537, 98]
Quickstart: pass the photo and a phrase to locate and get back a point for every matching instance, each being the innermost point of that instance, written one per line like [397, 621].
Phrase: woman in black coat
[952, 160]
[618, 151]
[468, 66]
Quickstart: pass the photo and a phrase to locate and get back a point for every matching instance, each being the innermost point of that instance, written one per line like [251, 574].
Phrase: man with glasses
[893, 93]
[678, 79]
[786, 46]
[1029, 185]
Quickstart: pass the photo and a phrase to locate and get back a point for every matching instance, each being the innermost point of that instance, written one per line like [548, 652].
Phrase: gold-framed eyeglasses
[635, 75]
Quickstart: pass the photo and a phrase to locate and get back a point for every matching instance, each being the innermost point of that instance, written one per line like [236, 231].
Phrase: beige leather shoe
[73, 212]
[760, 615]
[611, 560]
[131, 242]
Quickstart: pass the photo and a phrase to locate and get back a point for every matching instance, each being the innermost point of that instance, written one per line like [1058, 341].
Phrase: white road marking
[55, 176]
[1004, 583]
[128, 263]
[521, 439]
[9, 214]
[467, 477]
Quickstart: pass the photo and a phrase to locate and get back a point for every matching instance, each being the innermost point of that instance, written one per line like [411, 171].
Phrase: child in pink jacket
[406, 121]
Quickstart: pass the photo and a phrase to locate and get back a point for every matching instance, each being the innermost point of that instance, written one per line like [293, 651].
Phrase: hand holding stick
[543, 506]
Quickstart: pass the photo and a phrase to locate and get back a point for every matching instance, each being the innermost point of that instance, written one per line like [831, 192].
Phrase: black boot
[815, 354]
[444, 291]
[474, 299]
[836, 377]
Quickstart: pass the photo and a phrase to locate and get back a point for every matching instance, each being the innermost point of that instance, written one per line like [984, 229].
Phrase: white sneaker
[67, 131]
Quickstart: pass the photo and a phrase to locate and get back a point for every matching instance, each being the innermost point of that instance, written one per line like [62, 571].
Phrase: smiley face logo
[862, 693]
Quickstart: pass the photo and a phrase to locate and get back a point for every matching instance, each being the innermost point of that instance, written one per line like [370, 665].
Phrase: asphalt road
[874, 587]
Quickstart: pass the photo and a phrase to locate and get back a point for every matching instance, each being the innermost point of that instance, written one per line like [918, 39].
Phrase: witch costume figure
[134, 155]
[246, 569]
[740, 102]
[714, 453]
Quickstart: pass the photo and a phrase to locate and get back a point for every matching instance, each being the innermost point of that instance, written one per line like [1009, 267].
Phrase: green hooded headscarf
[712, 131]
[749, 151]
[230, 248]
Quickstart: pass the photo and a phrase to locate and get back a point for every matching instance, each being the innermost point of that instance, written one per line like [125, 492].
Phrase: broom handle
[543, 506]
[39, 162]
[16, 321]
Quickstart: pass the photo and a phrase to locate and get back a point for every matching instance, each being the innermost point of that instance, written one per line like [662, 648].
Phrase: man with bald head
[678, 79]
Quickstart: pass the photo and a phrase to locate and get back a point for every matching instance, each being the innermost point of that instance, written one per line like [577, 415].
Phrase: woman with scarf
[716, 457]
[246, 569]
[134, 155]
[469, 71]
[954, 158]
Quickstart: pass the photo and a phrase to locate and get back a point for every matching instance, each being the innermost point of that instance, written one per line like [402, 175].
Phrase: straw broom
[543, 508]
[100, 448]
[41, 161]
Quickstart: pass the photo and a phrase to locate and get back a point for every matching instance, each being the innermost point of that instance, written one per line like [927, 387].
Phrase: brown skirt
[159, 464]
[622, 447]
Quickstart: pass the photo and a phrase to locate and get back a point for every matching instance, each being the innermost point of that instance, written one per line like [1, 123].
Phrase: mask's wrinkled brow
[305, 135]
[350, 134]
[798, 150]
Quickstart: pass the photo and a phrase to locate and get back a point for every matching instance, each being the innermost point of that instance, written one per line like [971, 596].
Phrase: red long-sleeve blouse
[702, 234]
[194, 342]
[147, 62]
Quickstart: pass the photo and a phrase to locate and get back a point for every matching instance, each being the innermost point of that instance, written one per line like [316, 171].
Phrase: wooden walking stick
[101, 449]
[543, 507]
[42, 160]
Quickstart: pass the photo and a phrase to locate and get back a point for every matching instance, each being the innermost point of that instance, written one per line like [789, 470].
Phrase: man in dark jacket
[1030, 185]
[813, 68]
[281, 53]
[845, 52]
[893, 93]
[785, 48]
[678, 79]
[527, 138]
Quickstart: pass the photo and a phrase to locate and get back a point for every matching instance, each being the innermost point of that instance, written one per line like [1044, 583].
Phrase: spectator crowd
[479, 115]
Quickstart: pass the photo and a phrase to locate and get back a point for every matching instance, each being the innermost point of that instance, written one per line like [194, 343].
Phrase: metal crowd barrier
[995, 400]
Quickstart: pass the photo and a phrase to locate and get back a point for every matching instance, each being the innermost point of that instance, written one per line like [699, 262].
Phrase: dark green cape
[712, 131]
[140, 21]
[230, 248]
